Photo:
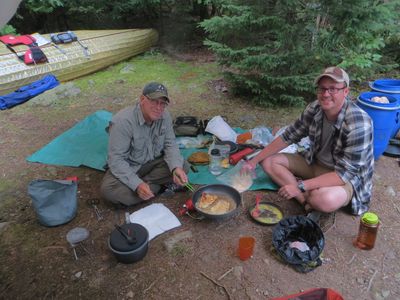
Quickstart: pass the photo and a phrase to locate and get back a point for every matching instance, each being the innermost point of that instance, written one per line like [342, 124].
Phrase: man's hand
[289, 191]
[144, 192]
[179, 176]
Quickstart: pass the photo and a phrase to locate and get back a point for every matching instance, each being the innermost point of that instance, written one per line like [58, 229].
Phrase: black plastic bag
[54, 201]
[302, 231]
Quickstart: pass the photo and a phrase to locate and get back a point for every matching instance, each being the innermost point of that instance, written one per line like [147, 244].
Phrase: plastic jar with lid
[215, 163]
[367, 232]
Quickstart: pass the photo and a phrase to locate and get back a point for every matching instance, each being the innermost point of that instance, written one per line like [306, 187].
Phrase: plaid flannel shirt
[352, 147]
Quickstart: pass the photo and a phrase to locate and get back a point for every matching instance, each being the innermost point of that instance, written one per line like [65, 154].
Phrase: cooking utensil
[269, 213]
[256, 212]
[75, 236]
[222, 190]
[189, 210]
[130, 239]
[187, 207]
[93, 202]
[189, 187]
[129, 242]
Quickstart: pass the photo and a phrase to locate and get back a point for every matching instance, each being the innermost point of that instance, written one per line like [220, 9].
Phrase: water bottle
[215, 163]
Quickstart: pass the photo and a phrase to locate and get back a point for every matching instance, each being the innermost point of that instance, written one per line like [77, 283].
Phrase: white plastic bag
[261, 135]
[236, 178]
[200, 141]
[218, 127]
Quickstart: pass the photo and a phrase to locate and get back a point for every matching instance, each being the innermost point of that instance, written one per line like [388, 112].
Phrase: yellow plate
[269, 214]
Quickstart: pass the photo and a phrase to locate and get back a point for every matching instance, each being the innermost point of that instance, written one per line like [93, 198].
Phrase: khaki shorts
[299, 167]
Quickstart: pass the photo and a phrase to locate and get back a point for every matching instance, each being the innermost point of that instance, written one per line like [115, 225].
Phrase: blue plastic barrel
[392, 87]
[386, 85]
[384, 116]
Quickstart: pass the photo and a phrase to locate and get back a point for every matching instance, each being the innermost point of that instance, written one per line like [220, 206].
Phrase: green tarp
[85, 144]
[262, 181]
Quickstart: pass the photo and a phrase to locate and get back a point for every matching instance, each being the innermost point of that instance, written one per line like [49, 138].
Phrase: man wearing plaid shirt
[336, 170]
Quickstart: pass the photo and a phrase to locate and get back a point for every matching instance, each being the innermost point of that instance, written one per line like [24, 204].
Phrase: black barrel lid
[119, 243]
[393, 149]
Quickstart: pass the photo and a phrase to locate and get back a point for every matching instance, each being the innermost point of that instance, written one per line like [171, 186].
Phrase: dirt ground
[38, 263]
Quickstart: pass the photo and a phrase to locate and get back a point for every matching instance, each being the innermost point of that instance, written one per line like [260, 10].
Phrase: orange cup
[246, 247]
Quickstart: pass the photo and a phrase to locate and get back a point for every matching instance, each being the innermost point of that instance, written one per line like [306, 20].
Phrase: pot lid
[137, 232]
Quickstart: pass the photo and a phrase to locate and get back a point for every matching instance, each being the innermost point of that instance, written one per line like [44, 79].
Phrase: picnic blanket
[85, 144]
[203, 176]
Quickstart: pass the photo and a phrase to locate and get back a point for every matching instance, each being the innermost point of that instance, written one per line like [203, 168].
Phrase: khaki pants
[299, 167]
[155, 173]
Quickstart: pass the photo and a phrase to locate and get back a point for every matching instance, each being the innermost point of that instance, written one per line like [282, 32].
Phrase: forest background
[269, 50]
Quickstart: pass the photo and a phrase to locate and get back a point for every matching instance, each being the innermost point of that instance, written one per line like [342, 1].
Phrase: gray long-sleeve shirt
[133, 142]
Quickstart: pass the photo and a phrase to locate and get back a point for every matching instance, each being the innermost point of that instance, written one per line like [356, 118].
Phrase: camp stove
[187, 207]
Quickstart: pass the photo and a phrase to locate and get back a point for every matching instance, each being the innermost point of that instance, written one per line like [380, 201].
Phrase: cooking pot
[218, 189]
[129, 242]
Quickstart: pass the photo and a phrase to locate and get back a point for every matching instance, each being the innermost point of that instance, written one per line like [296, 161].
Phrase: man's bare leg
[277, 167]
[328, 199]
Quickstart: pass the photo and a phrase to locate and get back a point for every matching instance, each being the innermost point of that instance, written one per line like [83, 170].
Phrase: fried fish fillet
[206, 200]
[221, 207]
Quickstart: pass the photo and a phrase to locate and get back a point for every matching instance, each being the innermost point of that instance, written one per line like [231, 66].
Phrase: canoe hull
[105, 48]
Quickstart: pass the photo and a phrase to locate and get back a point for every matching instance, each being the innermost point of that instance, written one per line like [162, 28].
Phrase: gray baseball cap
[155, 90]
[336, 73]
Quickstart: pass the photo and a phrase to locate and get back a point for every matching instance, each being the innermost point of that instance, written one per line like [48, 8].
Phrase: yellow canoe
[105, 47]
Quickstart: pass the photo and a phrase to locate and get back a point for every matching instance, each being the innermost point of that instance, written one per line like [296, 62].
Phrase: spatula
[256, 212]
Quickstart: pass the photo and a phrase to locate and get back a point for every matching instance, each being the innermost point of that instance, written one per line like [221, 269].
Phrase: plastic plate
[270, 213]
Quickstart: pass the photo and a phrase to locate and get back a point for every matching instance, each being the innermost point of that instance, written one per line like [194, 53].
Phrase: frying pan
[218, 189]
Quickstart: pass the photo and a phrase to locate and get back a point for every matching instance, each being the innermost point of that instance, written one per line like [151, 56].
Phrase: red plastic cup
[246, 247]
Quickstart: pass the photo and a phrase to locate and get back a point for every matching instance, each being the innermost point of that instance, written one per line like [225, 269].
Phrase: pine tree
[272, 50]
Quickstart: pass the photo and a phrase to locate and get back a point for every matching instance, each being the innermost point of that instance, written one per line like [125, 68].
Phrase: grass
[179, 250]
[176, 76]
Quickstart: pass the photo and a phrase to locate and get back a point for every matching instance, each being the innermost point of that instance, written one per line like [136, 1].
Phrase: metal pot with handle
[129, 242]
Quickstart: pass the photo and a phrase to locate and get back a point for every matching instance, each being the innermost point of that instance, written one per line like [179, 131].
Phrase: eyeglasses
[331, 90]
[161, 103]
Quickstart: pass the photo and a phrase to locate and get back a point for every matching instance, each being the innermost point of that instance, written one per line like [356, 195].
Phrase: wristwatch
[300, 185]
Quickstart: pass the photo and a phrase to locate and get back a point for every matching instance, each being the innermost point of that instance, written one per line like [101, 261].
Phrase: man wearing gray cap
[142, 152]
[336, 170]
